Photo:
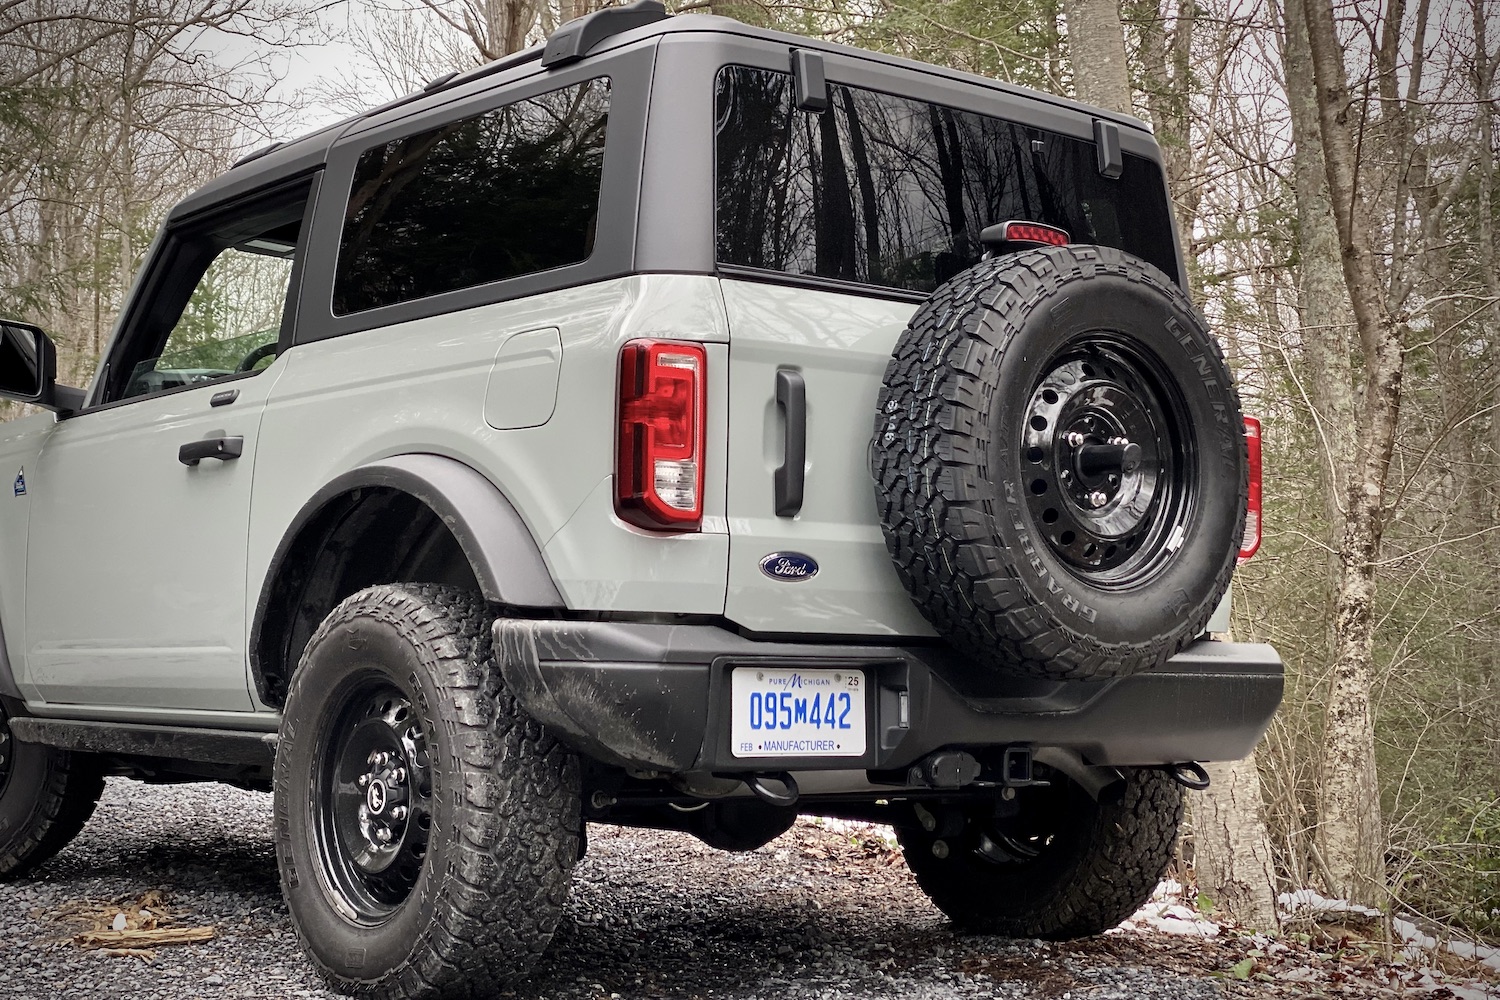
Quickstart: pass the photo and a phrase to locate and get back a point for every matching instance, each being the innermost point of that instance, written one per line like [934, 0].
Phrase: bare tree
[1096, 45]
[1350, 837]
[119, 113]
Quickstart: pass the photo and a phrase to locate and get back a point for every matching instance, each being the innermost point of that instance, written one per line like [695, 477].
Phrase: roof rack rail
[575, 39]
[257, 154]
[493, 66]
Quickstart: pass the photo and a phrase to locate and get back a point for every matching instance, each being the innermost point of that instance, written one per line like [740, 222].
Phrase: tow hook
[1189, 774]
[788, 794]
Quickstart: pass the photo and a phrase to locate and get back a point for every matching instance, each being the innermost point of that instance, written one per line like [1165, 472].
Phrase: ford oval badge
[792, 567]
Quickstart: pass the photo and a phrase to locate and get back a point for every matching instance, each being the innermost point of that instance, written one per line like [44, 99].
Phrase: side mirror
[28, 368]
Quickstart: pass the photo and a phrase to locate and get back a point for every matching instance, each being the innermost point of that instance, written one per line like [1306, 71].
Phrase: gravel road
[816, 914]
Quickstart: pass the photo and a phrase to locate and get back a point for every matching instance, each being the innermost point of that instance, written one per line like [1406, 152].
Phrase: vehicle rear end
[983, 481]
[832, 193]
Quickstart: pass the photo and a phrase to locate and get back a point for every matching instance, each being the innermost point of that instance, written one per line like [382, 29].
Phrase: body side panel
[135, 568]
[21, 442]
[421, 388]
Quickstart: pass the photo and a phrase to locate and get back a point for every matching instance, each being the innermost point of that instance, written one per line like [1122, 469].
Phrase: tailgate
[839, 344]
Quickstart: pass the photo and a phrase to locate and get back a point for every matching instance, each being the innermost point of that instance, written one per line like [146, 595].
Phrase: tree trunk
[1166, 65]
[1349, 834]
[1322, 299]
[1096, 46]
[1231, 851]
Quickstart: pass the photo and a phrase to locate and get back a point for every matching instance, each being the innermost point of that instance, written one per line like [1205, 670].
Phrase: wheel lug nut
[398, 813]
[374, 756]
[399, 776]
[1098, 498]
[383, 834]
[1074, 438]
[364, 781]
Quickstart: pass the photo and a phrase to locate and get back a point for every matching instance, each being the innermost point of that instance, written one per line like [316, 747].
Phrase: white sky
[316, 58]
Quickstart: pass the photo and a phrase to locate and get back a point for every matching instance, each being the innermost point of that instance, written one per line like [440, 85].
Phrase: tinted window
[509, 192]
[892, 191]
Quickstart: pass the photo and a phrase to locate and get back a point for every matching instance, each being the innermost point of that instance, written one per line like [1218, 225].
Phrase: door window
[215, 304]
[231, 323]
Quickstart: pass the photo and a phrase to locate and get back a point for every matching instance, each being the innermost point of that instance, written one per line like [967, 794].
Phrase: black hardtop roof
[310, 151]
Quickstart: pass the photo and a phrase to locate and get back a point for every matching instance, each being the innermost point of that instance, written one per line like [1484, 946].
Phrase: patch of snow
[1167, 911]
[1420, 947]
[1307, 903]
[1472, 991]
[1419, 943]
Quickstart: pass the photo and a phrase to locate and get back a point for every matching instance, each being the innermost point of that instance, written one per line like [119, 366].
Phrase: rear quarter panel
[423, 387]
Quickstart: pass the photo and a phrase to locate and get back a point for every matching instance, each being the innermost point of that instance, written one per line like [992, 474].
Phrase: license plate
[797, 713]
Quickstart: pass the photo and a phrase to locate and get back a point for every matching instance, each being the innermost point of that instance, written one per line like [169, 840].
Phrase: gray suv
[679, 425]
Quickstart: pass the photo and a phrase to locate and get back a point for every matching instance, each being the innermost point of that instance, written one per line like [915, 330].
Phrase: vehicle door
[140, 503]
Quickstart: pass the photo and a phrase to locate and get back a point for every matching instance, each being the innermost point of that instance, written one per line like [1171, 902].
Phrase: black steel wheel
[1112, 462]
[1051, 864]
[374, 803]
[1059, 463]
[426, 829]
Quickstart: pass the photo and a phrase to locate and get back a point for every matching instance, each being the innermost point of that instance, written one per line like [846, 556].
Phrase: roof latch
[810, 83]
[1107, 142]
[575, 39]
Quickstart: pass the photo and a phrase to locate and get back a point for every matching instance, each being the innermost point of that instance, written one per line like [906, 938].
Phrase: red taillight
[659, 462]
[1031, 232]
[1251, 542]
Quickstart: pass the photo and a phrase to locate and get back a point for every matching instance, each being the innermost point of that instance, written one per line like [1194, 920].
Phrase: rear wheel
[46, 796]
[425, 828]
[1055, 864]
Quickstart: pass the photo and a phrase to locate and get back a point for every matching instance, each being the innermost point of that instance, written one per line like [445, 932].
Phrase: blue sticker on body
[20, 487]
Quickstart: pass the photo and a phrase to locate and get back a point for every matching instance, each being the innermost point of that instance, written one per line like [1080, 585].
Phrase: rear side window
[891, 191]
[509, 192]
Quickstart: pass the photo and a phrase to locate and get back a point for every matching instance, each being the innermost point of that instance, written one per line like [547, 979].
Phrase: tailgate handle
[791, 399]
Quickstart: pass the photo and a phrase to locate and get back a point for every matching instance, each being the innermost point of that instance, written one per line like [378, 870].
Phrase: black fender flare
[500, 549]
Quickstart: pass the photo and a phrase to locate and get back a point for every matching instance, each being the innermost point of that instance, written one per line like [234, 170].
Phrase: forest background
[1332, 166]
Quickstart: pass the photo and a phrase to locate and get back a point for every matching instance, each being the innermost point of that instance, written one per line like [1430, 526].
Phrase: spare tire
[1060, 464]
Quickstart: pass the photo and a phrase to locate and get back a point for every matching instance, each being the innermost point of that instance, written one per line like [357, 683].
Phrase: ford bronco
[677, 424]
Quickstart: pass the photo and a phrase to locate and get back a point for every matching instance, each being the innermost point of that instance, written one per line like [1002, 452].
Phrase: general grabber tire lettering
[425, 828]
[1060, 464]
[1063, 867]
[46, 796]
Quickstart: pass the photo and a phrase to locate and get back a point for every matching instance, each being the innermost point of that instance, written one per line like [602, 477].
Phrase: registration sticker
[797, 713]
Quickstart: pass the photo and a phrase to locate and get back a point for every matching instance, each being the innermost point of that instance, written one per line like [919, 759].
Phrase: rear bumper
[656, 697]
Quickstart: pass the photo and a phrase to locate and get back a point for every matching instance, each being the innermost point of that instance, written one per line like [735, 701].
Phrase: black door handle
[791, 397]
[225, 449]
